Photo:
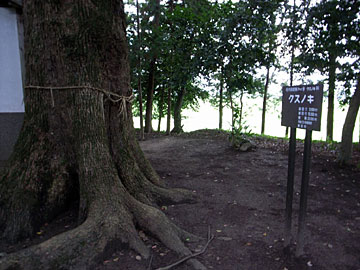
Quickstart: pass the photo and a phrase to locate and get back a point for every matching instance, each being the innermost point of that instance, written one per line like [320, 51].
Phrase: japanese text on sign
[301, 99]
[301, 106]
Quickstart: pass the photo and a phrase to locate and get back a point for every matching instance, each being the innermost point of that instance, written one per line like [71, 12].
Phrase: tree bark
[232, 112]
[241, 109]
[78, 144]
[150, 96]
[345, 152]
[168, 120]
[291, 70]
[152, 70]
[265, 100]
[161, 108]
[177, 111]
[139, 71]
[292, 44]
[330, 114]
[221, 101]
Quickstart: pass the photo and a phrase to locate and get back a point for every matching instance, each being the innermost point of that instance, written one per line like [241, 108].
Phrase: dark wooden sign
[301, 106]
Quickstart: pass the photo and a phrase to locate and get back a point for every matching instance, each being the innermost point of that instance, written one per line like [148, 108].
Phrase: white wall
[11, 93]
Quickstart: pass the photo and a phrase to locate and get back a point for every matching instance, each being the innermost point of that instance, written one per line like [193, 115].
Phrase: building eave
[17, 4]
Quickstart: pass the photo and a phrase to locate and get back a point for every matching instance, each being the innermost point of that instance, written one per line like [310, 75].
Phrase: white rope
[113, 97]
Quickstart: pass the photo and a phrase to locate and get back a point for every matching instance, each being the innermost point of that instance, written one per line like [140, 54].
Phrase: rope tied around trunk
[113, 97]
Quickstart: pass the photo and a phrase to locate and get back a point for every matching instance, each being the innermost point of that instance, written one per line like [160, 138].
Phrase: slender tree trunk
[139, 72]
[77, 144]
[232, 113]
[171, 7]
[291, 77]
[152, 71]
[150, 97]
[221, 100]
[168, 121]
[142, 137]
[177, 111]
[265, 100]
[348, 129]
[241, 108]
[330, 114]
[292, 55]
[161, 107]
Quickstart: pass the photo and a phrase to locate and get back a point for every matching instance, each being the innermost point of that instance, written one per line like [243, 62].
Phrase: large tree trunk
[177, 111]
[78, 143]
[348, 129]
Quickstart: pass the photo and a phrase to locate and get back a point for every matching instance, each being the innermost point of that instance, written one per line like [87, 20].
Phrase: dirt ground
[242, 201]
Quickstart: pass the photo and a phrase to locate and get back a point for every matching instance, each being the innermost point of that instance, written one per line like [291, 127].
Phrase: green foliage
[332, 29]
[240, 137]
[176, 44]
[244, 40]
[241, 129]
[227, 43]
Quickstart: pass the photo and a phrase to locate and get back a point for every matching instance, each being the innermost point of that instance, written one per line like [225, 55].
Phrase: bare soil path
[242, 199]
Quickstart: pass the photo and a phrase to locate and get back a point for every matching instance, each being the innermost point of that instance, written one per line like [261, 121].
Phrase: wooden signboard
[301, 106]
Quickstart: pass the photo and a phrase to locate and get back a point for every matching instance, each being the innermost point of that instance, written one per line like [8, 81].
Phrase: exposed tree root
[138, 176]
[143, 162]
[164, 196]
[210, 238]
[75, 249]
[110, 215]
[99, 236]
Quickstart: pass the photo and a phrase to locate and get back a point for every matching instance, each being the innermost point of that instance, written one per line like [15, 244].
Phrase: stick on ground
[210, 238]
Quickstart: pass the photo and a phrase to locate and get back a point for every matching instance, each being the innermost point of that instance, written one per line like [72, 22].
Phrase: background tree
[292, 31]
[177, 44]
[77, 145]
[348, 130]
[155, 12]
[350, 76]
[239, 48]
[323, 46]
[139, 66]
[185, 31]
[271, 35]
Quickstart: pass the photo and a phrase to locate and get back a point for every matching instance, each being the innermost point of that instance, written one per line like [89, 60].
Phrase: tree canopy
[222, 51]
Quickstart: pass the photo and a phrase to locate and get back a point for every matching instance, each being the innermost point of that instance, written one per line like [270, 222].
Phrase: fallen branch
[210, 238]
[151, 258]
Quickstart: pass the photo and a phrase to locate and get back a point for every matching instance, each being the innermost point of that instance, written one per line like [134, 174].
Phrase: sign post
[301, 108]
[290, 189]
[303, 196]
